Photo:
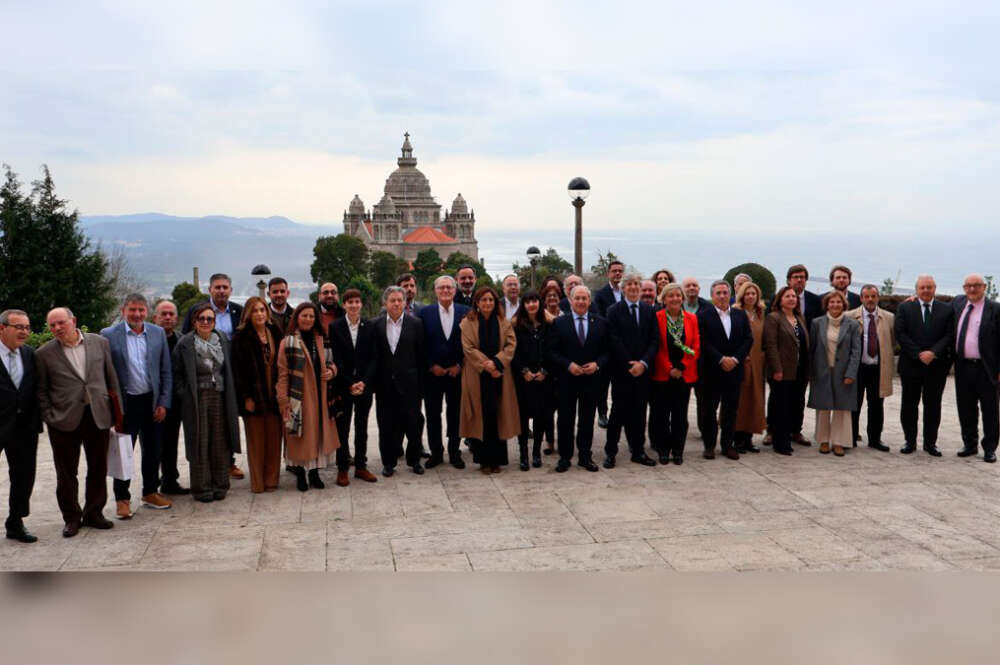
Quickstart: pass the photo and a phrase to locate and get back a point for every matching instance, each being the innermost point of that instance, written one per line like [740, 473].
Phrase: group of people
[536, 366]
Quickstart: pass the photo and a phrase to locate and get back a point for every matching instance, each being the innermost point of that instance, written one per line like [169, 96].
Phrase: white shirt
[510, 308]
[353, 329]
[616, 292]
[77, 355]
[13, 363]
[447, 319]
[393, 329]
[866, 316]
[727, 322]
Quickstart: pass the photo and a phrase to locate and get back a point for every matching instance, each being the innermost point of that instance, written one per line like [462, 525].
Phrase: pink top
[972, 334]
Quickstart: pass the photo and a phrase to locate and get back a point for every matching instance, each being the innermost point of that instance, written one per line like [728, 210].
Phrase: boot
[523, 447]
[300, 478]
[536, 454]
[314, 480]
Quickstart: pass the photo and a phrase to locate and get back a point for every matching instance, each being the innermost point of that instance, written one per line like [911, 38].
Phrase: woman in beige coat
[304, 369]
[750, 415]
[489, 414]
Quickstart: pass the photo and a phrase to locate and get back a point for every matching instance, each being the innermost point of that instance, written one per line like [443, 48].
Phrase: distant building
[408, 220]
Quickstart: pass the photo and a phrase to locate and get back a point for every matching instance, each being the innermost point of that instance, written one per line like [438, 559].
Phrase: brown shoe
[156, 501]
[838, 451]
[236, 472]
[732, 453]
[824, 448]
[342, 479]
[123, 509]
[365, 475]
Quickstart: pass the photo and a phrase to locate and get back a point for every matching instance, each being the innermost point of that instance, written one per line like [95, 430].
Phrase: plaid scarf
[296, 359]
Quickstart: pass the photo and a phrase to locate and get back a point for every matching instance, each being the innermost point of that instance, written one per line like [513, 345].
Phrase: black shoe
[19, 533]
[562, 466]
[208, 498]
[174, 490]
[645, 460]
[219, 496]
[932, 451]
[878, 445]
[678, 460]
[708, 454]
[750, 448]
[434, 461]
[589, 466]
[990, 458]
[549, 450]
[387, 471]
[609, 462]
[314, 480]
[783, 451]
[602, 422]
[536, 460]
[417, 469]
[99, 522]
[456, 461]
[300, 478]
[908, 448]
[523, 452]
[664, 459]
[968, 451]
[71, 529]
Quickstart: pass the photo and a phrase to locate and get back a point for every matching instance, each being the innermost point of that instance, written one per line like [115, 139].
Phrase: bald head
[974, 286]
[328, 294]
[62, 323]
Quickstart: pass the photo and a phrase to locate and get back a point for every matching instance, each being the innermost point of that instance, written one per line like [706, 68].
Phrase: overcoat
[827, 390]
[471, 415]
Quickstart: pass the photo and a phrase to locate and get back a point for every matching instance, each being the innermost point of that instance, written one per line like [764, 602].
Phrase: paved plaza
[866, 511]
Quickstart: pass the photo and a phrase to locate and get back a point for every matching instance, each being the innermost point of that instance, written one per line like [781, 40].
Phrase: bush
[36, 339]
[760, 275]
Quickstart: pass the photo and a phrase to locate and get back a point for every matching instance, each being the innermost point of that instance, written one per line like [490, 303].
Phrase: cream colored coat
[471, 415]
[886, 346]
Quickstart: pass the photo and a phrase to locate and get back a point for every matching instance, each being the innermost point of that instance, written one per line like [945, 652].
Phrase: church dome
[459, 206]
[386, 206]
[357, 206]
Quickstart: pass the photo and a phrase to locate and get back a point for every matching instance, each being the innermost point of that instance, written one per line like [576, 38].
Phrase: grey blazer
[827, 390]
[63, 395]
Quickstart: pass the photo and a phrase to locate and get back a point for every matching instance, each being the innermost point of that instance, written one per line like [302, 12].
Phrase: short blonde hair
[672, 286]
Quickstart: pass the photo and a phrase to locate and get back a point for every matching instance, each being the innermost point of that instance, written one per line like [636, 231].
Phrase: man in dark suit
[840, 280]
[281, 311]
[634, 340]
[466, 278]
[571, 282]
[141, 357]
[408, 283]
[726, 339]
[20, 418]
[811, 306]
[353, 341]
[977, 367]
[165, 316]
[604, 298]
[924, 329]
[579, 348]
[399, 343]
[443, 381]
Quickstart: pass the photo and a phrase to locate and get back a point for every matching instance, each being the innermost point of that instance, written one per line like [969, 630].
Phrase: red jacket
[661, 372]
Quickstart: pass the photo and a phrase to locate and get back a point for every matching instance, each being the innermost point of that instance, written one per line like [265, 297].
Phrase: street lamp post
[533, 254]
[579, 190]
[263, 271]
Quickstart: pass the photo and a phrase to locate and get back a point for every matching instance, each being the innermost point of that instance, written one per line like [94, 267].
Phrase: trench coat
[471, 415]
[750, 415]
[886, 328]
[827, 390]
[308, 447]
[186, 389]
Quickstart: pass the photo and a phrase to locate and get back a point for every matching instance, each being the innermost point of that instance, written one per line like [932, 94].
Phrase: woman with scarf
[836, 356]
[489, 414]
[304, 370]
[203, 381]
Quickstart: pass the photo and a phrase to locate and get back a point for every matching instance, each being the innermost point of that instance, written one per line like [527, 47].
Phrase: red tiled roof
[371, 233]
[428, 235]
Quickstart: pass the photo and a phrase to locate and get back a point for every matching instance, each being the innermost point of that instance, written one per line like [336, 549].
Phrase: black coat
[235, 312]
[632, 341]
[400, 374]
[715, 345]
[565, 348]
[989, 334]
[604, 298]
[531, 352]
[915, 336]
[463, 299]
[354, 363]
[19, 412]
[186, 388]
[250, 372]
[814, 307]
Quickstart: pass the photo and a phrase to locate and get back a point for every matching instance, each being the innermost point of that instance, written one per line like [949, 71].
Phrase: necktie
[15, 369]
[960, 347]
[927, 312]
[635, 313]
[872, 337]
[579, 331]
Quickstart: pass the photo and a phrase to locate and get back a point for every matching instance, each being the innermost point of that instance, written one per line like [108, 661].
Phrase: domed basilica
[408, 220]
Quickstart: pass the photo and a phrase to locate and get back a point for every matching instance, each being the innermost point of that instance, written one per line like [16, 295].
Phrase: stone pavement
[866, 511]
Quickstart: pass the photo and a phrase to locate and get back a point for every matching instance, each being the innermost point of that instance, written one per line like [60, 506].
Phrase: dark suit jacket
[715, 345]
[354, 363]
[401, 373]
[280, 320]
[814, 307]
[19, 412]
[989, 334]
[158, 363]
[235, 311]
[462, 299]
[632, 341]
[565, 348]
[441, 351]
[915, 336]
[604, 298]
[702, 305]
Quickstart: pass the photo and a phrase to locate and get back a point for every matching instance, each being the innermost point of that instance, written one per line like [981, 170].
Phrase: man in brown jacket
[75, 379]
[878, 363]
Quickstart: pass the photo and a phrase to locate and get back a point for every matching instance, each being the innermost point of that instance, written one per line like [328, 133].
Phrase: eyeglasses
[19, 326]
[205, 319]
[974, 286]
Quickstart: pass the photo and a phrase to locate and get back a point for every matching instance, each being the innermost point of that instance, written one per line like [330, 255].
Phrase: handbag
[121, 456]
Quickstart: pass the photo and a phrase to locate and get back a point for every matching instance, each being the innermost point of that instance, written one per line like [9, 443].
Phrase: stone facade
[407, 220]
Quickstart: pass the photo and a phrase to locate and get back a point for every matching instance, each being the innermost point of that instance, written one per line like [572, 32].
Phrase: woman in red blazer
[676, 370]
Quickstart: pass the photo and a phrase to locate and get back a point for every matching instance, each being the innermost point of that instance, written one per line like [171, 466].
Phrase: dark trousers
[700, 400]
[799, 402]
[869, 378]
[21, 447]
[783, 412]
[358, 406]
[66, 459]
[398, 417]
[930, 388]
[534, 400]
[722, 396]
[170, 433]
[577, 400]
[629, 398]
[974, 392]
[442, 391]
[138, 421]
[604, 377]
[668, 416]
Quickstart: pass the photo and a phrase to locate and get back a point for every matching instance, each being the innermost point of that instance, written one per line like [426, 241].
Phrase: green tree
[549, 263]
[371, 295]
[338, 259]
[887, 287]
[760, 275]
[185, 295]
[991, 287]
[385, 267]
[456, 260]
[427, 263]
[46, 260]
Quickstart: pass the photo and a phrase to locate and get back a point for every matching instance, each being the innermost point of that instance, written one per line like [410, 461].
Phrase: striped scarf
[296, 359]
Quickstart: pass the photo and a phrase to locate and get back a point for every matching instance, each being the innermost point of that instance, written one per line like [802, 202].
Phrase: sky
[728, 116]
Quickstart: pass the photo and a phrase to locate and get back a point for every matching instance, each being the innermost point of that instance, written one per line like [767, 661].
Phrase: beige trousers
[834, 427]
